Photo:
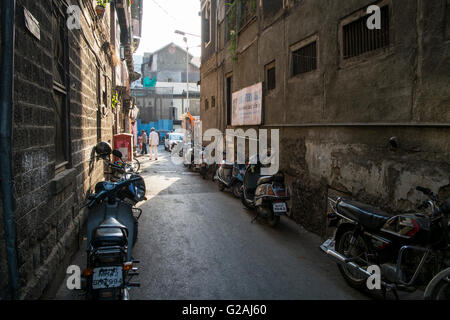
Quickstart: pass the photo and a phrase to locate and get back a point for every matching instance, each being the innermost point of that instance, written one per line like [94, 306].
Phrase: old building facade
[165, 98]
[66, 79]
[338, 92]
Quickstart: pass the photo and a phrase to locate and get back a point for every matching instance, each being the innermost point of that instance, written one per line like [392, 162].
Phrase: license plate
[279, 207]
[107, 277]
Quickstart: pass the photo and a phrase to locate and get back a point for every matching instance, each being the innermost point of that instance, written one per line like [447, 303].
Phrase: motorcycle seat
[369, 217]
[270, 179]
[110, 232]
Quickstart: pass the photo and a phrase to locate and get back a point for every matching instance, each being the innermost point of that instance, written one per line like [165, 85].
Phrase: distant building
[167, 99]
[168, 64]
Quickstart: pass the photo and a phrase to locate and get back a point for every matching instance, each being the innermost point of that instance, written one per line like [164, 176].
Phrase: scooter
[266, 194]
[410, 251]
[112, 229]
[230, 176]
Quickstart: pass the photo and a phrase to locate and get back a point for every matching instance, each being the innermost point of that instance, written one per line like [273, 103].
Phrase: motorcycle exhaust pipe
[336, 256]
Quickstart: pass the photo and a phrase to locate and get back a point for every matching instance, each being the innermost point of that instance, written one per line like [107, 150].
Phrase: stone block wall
[48, 202]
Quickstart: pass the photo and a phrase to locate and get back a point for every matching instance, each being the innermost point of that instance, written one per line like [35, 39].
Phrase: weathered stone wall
[336, 121]
[3, 266]
[48, 213]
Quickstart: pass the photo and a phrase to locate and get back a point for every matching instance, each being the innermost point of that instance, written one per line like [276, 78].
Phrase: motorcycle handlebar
[104, 193]
[425, 191]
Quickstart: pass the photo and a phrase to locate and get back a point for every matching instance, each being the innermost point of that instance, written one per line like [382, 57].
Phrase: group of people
[152, 140]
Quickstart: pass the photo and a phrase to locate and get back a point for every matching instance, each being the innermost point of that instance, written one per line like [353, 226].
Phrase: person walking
[144, 142]
[140, 143]
[154, 142]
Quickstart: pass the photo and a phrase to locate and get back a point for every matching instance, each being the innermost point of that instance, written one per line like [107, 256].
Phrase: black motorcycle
[266, 194]
[112, 230]
[117, 169]
[412, 251]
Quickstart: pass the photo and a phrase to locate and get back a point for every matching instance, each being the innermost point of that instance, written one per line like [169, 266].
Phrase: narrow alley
[196, 242]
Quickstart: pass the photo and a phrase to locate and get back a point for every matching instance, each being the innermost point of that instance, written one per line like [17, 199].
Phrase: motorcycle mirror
[393, 142]
[117, 153]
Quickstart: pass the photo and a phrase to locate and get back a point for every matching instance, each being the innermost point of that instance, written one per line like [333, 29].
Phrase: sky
[160, 20]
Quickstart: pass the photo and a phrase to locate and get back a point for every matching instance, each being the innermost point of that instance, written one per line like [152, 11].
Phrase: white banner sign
[247, 106]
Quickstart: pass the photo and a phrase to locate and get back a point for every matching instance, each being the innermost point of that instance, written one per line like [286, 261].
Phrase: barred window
[359, 39]
[304, 59]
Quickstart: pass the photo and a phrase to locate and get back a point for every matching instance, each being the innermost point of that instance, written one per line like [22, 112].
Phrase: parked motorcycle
[230, 176]
[117, 168]
[112, 230]
[411, 250]
[266, 194]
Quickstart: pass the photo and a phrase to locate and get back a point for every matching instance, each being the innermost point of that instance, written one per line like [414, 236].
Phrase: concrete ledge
[62, 180]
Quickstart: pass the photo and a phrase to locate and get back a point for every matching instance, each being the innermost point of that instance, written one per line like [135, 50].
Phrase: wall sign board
[247, 106]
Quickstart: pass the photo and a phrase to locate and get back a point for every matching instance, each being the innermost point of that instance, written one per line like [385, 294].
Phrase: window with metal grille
[60, 85]
[304, 59]
[230, 20]
[213, 102]
[206, 23]
[359, 39]
[270, 76]
[247, 11]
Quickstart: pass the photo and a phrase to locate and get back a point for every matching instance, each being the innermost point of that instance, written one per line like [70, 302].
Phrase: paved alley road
[196, 242]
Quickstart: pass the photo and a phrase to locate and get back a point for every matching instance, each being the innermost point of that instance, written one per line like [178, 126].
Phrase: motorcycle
[230, 176]
[112, 230]
[266, 194]
[117, 168]
[412, 251]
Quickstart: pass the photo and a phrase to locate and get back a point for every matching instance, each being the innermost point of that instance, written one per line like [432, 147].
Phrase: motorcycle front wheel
[245, 202]
[136, 165]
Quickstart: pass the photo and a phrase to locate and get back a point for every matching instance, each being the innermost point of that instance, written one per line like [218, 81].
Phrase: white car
[172, 139]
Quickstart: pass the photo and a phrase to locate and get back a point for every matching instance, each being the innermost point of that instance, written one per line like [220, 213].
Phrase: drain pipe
[6, 107]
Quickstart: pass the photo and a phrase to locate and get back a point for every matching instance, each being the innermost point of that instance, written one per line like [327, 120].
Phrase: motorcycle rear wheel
[353, 278]
[237, 192]
[273, 220]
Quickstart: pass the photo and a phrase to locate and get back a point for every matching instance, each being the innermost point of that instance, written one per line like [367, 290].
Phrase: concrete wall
[336, 121]
[48, 215]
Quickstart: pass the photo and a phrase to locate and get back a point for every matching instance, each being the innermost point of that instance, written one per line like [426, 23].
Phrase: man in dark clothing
[144, 142]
